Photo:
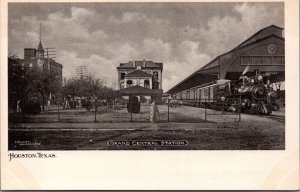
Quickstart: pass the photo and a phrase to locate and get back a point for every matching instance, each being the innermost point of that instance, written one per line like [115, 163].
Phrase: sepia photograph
[146, 76]
[118, 95]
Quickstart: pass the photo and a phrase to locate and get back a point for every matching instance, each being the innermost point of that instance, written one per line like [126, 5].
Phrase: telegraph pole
[51, 53]
[81, 71]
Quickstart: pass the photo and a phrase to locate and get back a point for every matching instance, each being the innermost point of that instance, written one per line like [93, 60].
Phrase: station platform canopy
[264, 52]
[140, 91]
[193, 80]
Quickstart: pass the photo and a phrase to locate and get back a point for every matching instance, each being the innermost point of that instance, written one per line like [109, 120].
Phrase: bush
[31, 108]
[87, 104]
[72, 104]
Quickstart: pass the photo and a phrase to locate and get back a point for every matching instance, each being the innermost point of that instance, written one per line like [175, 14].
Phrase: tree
[85, 86]
[88, 86]
[44, 83]
[24, 81]
[16, 81]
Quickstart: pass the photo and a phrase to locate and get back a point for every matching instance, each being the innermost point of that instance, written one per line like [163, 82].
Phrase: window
[262, 60]
[155, 85]
[129, 83]
[146, 83]
[257, 60]
[277, 61]
[267, 60]
[246, 60]
[122, 75]
[155, 75]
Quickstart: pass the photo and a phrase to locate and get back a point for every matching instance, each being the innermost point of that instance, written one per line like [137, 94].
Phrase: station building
[140, 78]
[263, 52]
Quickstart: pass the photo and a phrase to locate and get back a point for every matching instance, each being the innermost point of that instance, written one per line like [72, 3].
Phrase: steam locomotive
[248, 94]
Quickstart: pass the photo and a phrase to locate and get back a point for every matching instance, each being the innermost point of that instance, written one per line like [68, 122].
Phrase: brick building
[36, 60]
[142, 73]
[140, 78]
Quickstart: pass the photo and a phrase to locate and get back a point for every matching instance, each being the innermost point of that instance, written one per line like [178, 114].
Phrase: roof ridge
[239, 47]
[259, 32]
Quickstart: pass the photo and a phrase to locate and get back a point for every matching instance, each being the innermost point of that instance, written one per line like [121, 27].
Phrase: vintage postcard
[150, 95]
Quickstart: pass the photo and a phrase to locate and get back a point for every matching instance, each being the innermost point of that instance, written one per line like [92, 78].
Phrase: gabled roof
[265, 33]
[138, 73]
[134, 64]
[40, 47]
[272, 29]
[246, 43]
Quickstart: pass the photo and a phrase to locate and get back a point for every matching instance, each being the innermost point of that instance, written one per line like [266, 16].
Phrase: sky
[182, 36]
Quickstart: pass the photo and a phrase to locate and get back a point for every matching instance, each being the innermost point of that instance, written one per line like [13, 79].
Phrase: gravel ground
[187, 129]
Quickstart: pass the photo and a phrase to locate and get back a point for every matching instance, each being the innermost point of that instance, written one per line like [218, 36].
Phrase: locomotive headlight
[223, 98]
[252, 80]
[260, 78]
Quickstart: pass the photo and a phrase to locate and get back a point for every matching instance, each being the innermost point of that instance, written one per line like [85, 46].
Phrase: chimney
[133, 63]
[144, 63]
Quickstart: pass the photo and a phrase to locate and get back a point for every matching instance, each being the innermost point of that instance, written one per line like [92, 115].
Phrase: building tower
[40, 50]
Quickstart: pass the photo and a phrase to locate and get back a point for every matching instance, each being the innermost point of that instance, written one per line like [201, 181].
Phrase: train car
[248, 94]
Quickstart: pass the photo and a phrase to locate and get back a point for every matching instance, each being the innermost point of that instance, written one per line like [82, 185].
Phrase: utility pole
[51, 53]
[81, 71]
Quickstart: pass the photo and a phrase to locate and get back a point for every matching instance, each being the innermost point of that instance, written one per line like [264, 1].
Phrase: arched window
[129, 83]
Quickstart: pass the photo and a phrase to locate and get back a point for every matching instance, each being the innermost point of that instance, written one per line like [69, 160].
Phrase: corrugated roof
[138, 73]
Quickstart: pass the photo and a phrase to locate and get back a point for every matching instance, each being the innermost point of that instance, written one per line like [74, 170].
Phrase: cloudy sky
[183, 36]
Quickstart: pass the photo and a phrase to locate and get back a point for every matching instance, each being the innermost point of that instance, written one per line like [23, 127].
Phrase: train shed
[263, 52]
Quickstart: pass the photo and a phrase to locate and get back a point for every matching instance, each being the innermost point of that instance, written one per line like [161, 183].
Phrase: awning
[193, 80]
[140, 91]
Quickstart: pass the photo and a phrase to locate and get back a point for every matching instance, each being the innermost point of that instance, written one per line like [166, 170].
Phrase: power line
[81, 71]
[51, 53]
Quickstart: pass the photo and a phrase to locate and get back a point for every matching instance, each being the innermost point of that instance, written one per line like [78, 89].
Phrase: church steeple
[40, 50]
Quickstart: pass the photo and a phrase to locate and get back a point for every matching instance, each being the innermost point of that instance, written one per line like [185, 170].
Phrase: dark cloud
[184, 36]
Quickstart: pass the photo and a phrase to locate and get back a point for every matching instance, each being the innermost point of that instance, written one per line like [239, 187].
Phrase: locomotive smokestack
[246, 70]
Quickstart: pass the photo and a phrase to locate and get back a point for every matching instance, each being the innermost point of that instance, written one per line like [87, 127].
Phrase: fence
[181, 111]
[191, 110]
[106, 113]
